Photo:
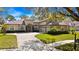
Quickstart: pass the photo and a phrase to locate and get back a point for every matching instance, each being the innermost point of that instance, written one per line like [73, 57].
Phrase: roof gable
[14, 22]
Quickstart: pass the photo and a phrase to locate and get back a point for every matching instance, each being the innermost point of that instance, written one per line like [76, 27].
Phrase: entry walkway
[60, 43]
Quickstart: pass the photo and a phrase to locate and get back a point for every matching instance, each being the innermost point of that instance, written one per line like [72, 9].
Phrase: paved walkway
[60, 43]
[28, 42]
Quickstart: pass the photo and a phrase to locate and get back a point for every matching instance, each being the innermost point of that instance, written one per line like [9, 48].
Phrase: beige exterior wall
[16, 27]
[43, 23]
[28, 22]
[44, 28]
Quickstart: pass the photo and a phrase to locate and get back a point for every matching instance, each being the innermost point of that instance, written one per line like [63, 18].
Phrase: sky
[18, 11]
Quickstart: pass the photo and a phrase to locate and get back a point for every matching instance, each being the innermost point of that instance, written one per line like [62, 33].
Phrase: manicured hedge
[54, 32]
[15, 31]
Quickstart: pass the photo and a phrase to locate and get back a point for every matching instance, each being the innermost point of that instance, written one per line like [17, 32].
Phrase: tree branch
[73, 14]
[77, 9]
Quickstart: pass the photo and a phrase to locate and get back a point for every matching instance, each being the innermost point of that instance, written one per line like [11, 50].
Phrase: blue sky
[18, 11]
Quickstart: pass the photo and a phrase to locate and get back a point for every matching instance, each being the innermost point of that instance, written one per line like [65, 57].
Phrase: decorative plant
[4, 27]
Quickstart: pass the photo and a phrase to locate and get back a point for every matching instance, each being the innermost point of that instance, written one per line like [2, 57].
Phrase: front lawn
[68, 47]
[8, 41]
[47, 38]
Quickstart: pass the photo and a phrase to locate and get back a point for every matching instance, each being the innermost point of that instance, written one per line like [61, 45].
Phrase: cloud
[16, 14]
[28, 15]
[11, 10]
[17, 18]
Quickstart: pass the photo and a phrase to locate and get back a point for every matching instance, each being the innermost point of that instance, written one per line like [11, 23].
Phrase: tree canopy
[44, 12]
[10, 17]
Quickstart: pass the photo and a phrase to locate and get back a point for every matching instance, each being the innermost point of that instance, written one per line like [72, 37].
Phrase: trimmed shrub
[55, 32]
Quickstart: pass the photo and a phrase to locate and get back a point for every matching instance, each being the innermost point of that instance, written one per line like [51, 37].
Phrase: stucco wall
[16, 27]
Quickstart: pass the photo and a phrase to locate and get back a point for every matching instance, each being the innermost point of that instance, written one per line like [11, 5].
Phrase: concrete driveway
[28, 42]
[25, 37]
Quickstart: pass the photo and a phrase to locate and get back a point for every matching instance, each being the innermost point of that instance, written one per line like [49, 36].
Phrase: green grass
[8, 41]
[68, 47]
[47, 38]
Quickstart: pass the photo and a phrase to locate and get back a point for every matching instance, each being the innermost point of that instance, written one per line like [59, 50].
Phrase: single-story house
[27, 25]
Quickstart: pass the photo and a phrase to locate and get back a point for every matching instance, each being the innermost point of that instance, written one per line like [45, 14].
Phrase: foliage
[53, 32]
[24, 17]
[57, 31]
[33, 18]
[43, 12]
[55, 16]
[72, 13]
[8, 41]
[67, 47]
[72, 29]
[4, 27]
[10, 17]
[2, 9]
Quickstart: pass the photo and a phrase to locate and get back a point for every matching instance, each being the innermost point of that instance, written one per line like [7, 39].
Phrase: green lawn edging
[47, 38]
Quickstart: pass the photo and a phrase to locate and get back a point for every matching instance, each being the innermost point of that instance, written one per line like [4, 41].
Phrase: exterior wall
[16, 27]
[44, 28]
[28, 22]
[40, 28]
[77, 28]
[65, 28]
[43, 23]
[36, 28]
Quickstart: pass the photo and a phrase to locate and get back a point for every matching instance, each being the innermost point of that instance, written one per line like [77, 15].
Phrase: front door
[28, 28]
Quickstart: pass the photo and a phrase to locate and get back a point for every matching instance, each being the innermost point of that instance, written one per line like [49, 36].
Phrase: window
[11, 28]
[21, 27]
